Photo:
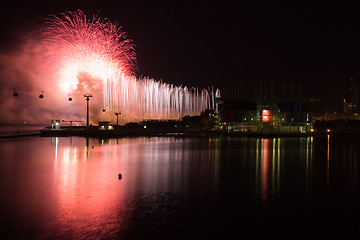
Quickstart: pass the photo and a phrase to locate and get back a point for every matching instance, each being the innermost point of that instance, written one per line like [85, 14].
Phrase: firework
[86, 50]
[95, 56]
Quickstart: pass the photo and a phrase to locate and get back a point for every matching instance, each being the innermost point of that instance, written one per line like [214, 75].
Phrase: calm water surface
[172, 188]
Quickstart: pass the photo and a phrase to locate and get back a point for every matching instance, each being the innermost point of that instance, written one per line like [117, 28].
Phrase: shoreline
[154, 132]
[95, 132]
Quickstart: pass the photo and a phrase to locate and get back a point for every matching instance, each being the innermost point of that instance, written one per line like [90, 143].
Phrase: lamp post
[117, 118]
[88, 96]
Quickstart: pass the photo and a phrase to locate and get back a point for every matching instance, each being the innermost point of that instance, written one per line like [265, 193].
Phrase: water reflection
[265, 165]
[69, 187]
[276, 155]
[86, 177]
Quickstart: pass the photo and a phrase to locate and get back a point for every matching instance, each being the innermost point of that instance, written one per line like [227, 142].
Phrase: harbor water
[179, 187]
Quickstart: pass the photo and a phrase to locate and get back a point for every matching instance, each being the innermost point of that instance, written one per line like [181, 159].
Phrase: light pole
[117, 118]
[88, 96]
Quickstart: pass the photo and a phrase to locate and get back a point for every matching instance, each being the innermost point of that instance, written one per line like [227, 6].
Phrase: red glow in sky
[75, 55]
[86, 52]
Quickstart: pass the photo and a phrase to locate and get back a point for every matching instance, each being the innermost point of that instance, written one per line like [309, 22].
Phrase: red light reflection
[265, 168]
[89, 194]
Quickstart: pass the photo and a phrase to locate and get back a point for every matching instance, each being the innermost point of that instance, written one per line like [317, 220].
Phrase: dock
[21, 133]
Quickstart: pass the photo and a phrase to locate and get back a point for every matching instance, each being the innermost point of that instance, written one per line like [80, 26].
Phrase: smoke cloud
[22, 70]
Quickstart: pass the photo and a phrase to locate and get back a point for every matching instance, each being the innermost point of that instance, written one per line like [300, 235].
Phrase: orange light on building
[267, 115]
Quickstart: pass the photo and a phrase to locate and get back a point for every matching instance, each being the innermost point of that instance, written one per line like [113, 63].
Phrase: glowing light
[267, 115]
[95, 56]
[328, 130]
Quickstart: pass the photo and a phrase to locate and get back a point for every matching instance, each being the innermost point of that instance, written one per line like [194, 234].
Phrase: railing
[24, 133]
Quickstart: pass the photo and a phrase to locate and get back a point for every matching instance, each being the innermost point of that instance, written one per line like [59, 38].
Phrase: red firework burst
[86, 51]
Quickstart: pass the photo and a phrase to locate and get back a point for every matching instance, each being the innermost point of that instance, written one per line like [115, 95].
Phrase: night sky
[229, 45]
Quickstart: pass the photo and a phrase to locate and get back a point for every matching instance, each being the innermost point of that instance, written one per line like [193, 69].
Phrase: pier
[22, 133]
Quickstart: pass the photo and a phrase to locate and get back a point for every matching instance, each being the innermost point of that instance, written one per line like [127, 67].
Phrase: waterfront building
[267, 115]
[55, 124]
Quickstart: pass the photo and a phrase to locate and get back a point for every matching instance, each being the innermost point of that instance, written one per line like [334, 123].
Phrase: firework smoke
[75, 55]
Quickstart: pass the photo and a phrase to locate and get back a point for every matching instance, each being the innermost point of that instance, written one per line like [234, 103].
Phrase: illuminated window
[267, 116]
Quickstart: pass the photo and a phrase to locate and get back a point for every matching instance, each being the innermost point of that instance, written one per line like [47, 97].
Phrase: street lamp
[88, 96]
[117, 118]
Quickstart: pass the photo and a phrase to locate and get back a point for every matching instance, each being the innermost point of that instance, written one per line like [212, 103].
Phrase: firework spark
[86, 50]
[78, 55]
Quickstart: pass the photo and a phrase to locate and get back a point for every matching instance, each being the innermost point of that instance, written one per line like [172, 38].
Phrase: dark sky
[227, 44]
